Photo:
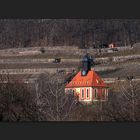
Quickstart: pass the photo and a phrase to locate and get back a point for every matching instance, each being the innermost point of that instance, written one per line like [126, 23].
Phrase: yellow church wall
[91, 95]
[85, 88]
[77, 90]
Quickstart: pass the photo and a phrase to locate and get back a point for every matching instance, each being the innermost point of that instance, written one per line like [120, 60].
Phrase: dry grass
[134, 51]
[73, 55]
[42, 56]
[38, 65]
[122, 70]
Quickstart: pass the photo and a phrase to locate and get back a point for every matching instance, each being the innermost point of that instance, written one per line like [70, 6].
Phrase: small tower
[86, 65]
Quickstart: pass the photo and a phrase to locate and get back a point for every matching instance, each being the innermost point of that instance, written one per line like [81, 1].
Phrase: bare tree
[73, 32]
[16, 101]
[52, 100]
[130, 90]
[123, 102]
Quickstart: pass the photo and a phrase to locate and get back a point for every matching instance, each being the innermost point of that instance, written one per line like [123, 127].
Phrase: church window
[96, 93]
[87, 93]
[82, 93]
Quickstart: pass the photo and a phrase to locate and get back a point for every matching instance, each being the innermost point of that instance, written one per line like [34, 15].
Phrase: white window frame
[82, 93]
[87, 93]
[103, 93]
[96, 93]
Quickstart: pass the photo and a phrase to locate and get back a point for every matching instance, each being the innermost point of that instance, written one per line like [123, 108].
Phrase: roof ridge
[92, 77]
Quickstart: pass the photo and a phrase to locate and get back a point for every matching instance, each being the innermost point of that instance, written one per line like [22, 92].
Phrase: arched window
[73, 92]
[103, 94]
[82, 93]
[68, 90]
[87, 93]
[96, 93]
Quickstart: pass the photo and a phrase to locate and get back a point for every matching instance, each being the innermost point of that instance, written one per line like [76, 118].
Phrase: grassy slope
[134, 51]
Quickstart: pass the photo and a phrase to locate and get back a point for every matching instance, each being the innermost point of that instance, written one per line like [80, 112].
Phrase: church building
[87, 84]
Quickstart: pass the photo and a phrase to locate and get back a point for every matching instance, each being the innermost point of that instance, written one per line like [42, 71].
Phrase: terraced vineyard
[108, 65]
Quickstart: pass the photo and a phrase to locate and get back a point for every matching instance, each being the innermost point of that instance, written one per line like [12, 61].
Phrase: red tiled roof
[90, 80]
